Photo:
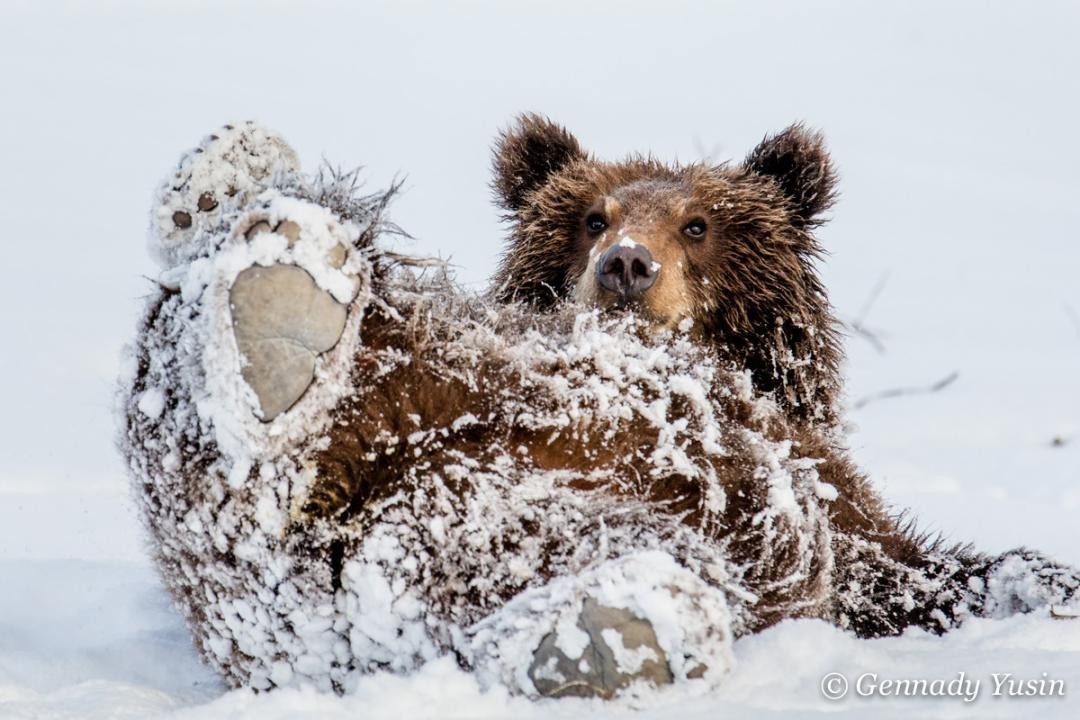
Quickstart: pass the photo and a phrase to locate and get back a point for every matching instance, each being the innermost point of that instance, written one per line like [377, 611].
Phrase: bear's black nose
[628, 270]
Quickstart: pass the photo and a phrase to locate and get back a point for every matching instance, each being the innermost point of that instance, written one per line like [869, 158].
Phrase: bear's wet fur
[453, 398]
[760, 306]
[755, 292]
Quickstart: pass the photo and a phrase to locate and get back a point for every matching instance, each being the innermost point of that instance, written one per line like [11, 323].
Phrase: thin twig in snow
[897, 392]
[420, 261]
[858, 325]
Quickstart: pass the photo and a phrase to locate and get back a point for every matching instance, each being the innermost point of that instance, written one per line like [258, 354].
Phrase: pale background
[954, 125]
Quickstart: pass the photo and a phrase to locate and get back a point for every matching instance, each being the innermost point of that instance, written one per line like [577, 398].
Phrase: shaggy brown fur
[360, 469]
[462, 407]
[751, 282]
[364, 473]
[756, 300]
[753, 294]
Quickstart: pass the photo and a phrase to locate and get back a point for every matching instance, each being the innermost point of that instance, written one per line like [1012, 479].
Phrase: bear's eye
[595, 224]
[695, 229]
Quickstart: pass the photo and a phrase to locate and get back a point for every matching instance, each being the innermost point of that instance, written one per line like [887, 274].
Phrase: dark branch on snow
[898, 392]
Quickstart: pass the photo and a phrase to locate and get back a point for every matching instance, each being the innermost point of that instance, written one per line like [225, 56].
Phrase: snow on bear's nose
[627, 269]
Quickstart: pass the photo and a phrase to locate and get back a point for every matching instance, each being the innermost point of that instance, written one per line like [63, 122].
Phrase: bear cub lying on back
[592, 479]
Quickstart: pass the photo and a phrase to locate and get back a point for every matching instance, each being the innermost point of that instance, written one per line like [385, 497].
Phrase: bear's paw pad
[619, 650]
[282, 321]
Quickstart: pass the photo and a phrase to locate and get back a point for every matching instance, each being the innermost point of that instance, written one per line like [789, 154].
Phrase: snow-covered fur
[463, 473]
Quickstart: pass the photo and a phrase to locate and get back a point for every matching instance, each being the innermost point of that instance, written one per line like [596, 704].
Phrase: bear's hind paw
[620, 649]
[292, 305]
[278, 303]
[628, 623]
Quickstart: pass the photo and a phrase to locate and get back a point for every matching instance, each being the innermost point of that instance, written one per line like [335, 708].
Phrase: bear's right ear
[527, 154]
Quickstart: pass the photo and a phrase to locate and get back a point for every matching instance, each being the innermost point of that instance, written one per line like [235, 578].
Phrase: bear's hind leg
[245, 348]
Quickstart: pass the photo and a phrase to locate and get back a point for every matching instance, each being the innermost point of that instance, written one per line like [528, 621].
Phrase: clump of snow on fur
[151, 402]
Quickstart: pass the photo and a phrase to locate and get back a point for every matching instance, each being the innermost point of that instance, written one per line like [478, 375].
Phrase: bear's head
[726, 251]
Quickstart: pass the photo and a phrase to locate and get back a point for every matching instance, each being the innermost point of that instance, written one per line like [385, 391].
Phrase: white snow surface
[955, 181]
[86, 639]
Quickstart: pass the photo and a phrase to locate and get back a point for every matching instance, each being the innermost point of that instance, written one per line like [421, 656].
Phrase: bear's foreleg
[877, 595]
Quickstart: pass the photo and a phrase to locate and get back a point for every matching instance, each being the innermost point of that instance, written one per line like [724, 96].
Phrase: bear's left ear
[527, 154]
[796, 159]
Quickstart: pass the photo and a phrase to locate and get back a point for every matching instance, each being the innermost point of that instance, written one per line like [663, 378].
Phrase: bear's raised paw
[281, 317]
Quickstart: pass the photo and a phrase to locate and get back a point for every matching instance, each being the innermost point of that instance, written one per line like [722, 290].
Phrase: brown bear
[736, 243]
[590, 480]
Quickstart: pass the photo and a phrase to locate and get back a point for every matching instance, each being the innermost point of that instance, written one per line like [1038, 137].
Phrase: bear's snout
[627, 270]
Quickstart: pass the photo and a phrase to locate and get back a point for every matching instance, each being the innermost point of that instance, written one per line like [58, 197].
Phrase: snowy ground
[952, 126]
[89, 639]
